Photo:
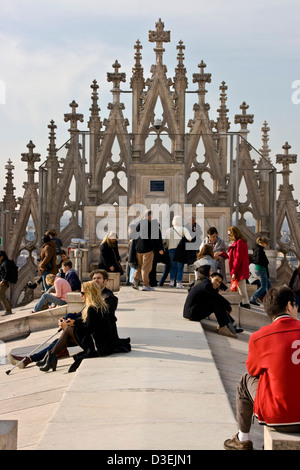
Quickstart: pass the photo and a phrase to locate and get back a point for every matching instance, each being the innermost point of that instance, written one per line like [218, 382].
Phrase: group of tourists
[269, 389]
[94, 329]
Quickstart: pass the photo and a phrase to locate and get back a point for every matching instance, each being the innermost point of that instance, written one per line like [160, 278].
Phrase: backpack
[12, 271]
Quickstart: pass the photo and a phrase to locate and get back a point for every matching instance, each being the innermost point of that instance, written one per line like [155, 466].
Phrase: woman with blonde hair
[110, 259]
[92, 332]
[239, 262]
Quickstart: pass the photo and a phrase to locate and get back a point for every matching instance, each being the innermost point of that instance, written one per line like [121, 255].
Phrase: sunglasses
[82, 293]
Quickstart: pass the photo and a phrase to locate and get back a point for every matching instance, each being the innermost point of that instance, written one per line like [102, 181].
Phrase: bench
[8, 434]
[276, 440]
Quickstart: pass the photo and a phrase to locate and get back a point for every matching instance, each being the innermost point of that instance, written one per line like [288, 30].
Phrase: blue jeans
[176, 268]
[44, 275]
[265, 284]
[48, 298]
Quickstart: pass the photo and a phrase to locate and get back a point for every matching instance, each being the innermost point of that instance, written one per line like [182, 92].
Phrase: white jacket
[174, 234]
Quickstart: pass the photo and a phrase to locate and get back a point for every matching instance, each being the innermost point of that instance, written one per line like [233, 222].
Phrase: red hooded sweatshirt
[274, 356]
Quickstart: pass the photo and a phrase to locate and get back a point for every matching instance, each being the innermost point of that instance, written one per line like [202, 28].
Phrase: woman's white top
[174, 235]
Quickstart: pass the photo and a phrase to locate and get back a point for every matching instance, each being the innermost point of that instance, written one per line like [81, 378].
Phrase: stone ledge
[8, 434]
[17, 326]
[276, 440]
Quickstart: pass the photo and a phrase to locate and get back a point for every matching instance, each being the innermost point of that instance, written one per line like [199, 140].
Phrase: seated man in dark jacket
[71, 275]
[204, 299]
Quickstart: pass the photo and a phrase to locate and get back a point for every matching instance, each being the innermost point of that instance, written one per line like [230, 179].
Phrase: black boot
[50, 363]
[42, 362]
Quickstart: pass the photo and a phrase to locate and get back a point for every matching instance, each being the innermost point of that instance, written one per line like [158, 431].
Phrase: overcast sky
[51, 51]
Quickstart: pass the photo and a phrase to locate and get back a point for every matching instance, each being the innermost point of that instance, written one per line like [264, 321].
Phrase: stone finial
[52, 146]
[265, 150]
[116, 77]
[9, 167]
[94, 108]
[137, 70]
[9, 187]
[31, 158]
[73, 117]
[201, 78]
[180, 55]
[180, 71]
[138, 56]
[286, 158]
[244, 119]
[159, 36]
[222, 121]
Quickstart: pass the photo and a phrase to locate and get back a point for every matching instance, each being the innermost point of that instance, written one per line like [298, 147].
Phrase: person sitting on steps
[204, 299]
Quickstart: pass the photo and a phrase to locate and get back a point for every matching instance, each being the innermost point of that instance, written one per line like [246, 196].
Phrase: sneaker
[15, 359]
[179, 285]
[171, 283]
[147, 288]
[253, 302]
[7, 313]
[244, 305]
[238, 329]
[236, 444]
[225, 331]
[134, 285]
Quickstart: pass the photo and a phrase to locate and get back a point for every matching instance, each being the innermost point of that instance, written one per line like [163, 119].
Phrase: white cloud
[51, 52]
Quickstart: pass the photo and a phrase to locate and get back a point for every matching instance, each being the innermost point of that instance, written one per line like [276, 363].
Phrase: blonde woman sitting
[92, 329]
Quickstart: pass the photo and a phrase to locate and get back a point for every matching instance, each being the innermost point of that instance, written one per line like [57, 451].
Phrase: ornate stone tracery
[122, 161]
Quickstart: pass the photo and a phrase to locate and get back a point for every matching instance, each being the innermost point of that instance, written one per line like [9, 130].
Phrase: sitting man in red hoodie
[271, 388]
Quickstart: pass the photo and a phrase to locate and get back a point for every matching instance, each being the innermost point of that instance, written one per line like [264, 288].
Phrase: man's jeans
[48, 298]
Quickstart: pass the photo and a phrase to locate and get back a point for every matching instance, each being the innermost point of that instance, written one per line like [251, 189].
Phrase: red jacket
[239, 259]
[274, 356]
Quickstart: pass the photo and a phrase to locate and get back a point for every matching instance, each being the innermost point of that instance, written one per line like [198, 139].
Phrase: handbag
[180, 252]
[234, 285]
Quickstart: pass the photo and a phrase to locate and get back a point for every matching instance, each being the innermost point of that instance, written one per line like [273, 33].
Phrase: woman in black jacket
[110, 259]
[93, 331]
[259, 258]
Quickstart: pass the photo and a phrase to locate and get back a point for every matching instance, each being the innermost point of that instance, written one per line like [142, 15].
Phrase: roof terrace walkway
[174, 391]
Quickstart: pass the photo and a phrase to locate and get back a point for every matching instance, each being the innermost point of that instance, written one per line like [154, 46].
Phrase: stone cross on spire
[30, 158]
[244, 119]
[73, 117]
[286, 159]
[116, 77]
[138, 56]
[159, 36]
[201, 78]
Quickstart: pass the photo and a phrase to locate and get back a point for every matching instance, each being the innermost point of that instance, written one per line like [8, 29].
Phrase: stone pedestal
[8, 435]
